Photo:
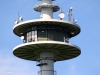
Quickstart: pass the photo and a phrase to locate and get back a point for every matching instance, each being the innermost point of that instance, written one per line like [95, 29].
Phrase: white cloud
[10, 65]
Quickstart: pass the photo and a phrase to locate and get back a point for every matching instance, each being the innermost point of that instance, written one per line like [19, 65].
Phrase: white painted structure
[49, 49]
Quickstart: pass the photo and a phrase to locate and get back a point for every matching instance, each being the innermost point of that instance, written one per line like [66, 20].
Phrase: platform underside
[61, 50]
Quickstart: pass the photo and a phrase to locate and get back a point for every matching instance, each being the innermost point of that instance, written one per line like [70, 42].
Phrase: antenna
[61, 14]
[74, 21]
[20, 18]
[70, 14]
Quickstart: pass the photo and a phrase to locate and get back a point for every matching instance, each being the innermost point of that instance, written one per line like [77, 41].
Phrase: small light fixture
[42, 31]
[72, 33]
[41, 16]
[22, 37]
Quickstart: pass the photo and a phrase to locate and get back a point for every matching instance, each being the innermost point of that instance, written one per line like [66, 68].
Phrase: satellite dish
[16, 22]
[22, 37]
[61, 15]
[20, 18]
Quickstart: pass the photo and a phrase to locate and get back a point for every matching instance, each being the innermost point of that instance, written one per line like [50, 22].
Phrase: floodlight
[41, 16]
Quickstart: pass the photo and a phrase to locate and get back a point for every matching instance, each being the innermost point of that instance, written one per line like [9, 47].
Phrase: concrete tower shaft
[46, 13]
[47, 66]
[46, 1]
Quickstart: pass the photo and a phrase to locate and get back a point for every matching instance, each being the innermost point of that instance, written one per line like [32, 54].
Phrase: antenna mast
[70, 14]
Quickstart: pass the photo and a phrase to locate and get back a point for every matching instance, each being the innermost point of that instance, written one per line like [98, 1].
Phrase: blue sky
[85, 11]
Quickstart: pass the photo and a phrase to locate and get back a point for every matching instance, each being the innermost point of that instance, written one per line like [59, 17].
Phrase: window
[42, 34]
[33, 37]
[29, 36]
[46, 32]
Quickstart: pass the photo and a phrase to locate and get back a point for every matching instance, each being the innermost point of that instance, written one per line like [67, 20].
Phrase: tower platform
[32, 50]
[20, 28]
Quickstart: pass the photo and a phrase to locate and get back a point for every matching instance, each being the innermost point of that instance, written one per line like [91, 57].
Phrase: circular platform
[20, 27]
[61, 50]
[53, 7]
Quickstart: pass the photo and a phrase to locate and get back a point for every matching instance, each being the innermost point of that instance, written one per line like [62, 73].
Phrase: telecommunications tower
[46, 40]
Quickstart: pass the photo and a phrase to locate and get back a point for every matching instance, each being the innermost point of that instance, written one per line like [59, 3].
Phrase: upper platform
[53, 7]
[19, 28]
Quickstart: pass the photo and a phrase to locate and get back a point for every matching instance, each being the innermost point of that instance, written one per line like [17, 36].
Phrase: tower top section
[47, 35]
[46, 9]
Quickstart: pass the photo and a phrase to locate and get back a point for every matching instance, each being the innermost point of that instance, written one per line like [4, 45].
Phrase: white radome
[61, 15]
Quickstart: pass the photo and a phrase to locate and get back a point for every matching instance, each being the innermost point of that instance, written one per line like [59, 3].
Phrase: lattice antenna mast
[70, 14]
[18, 17]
